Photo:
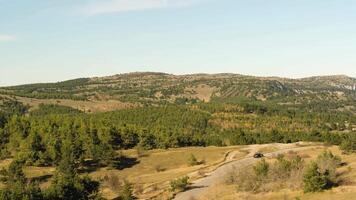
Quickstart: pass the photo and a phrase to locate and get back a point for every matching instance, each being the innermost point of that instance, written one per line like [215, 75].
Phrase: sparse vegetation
[192, 160]
[126, 192]
[289, 173]
[180, 184]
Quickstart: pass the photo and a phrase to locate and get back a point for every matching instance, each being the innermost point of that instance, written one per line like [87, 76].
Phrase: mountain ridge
[138, 73]
[157, 88]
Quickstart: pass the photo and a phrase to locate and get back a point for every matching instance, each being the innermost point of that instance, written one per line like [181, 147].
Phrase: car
[258, 155]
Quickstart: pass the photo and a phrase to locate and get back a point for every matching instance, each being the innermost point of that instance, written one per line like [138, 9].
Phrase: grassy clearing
[152, 170]
[156, 168]
[87, 106]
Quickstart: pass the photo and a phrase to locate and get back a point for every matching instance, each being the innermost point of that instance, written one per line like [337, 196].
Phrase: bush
[265, 177]
[112, 181]
[180, 184]
[192, 160]
[261, 169]
[246, 180]
[287, 173]
[313, 180]
[127, 192]
[159, 168]
[327, 164]
[349, 143]
[328, 161]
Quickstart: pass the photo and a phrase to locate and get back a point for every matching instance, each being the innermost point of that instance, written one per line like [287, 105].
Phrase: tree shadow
[41, 179]
[191, 187]
[89, 166]
[124, 162]
[119, 198]
[120, 163]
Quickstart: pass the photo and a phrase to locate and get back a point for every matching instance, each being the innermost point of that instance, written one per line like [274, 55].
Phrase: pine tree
[18, 187]
[313, 180]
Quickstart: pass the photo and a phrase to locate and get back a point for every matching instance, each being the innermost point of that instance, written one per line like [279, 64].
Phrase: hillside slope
[149, 88]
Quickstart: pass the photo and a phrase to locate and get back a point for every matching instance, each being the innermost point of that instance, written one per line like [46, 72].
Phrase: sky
[55, 40]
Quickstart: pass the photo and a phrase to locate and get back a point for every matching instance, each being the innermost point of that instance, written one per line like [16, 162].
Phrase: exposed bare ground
[202, 92]
[200, 185]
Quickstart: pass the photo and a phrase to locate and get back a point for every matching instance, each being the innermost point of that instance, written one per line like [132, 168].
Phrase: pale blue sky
[53, 40]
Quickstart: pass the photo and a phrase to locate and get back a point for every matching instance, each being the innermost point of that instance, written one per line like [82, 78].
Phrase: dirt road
[216, 176]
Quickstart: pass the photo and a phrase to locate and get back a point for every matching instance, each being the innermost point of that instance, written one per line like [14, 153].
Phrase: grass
[227, 193]
[267, 149]
[346, 190]
[153, 171]
[87, 106]
[155, 168]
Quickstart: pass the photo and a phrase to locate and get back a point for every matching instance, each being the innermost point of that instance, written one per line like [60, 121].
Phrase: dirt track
[216, 176]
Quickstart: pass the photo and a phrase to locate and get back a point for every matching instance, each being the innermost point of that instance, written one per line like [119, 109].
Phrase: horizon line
[184, 74]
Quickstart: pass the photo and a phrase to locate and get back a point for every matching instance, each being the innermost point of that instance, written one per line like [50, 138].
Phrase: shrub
[313, 180]
[327, 164]
[141, 151]
[284, 173]
[261, 169]
[348, 144]
[247, 181]
[159, 168]
[127, 192]
[112, 181]
[180, 184]
[284, 168]
[192, 160]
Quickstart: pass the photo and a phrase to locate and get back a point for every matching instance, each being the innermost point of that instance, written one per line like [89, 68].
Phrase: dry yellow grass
[172, 164]
[154, 170]
[36, 172]
[229, 193]
[87, 106]
[5, 163]
[346, 191]
[151, 175]
[268, 149]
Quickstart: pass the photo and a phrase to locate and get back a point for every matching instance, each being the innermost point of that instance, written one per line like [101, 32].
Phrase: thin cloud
[113, 6]
[7, 38]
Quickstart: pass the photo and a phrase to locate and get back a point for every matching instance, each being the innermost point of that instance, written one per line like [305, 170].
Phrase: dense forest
[72, 140]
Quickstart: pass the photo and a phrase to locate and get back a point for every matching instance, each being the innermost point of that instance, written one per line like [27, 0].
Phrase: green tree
[67, 184]
[313, 180]
[17, 186]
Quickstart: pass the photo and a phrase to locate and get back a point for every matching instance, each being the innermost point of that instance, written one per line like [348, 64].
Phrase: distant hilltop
[154, 88]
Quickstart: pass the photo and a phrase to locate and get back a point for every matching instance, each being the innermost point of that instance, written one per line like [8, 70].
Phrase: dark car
[258, 155]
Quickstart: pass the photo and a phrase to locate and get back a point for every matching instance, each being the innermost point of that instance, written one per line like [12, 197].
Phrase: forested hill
[84, 123]
[149, 88]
